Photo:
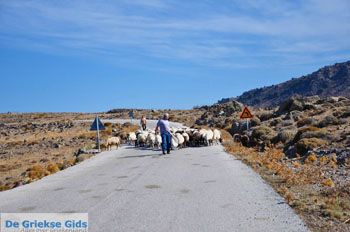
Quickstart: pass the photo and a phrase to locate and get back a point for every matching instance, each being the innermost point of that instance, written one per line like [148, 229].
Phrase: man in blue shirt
[163, 126]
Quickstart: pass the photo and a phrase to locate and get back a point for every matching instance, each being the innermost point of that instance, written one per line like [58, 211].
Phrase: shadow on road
[139, 156]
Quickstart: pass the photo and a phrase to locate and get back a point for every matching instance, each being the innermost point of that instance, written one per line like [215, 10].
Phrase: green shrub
[345, 114]
[285, 136]
[307, 144]
[306, 122]
[328, 120]
[321, 134]
[303, 130]
[265, 116]
[263, 133]
[276, 121]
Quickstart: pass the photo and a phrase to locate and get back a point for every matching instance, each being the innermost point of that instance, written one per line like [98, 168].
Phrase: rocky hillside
[219, 115]
[302, 148]
[331, 80]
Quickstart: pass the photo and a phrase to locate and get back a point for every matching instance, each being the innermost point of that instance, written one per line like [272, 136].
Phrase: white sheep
[141, 138]
[180, 139]
[186, 138]
[217, 136]
[202, 132]
[208, 137]
[174, 142]
[131, 138]
[158, 141]
[151, 139]
[112, 141]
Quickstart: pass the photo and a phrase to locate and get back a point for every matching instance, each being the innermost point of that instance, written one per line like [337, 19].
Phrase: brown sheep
[112, 141]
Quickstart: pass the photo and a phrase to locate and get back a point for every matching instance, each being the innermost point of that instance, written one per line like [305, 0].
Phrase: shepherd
[163, 126]
[143, 122]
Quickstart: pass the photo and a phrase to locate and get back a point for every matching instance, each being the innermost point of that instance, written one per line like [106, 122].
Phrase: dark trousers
[166, 142]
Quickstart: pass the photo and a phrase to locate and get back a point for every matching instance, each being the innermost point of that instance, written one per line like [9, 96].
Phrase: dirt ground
[34, 145]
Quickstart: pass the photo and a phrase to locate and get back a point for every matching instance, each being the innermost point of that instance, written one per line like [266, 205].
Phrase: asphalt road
[192, 189]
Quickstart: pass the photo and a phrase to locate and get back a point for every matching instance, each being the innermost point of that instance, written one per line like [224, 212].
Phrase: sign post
[246, 114]
[97, 125]
[98, 136]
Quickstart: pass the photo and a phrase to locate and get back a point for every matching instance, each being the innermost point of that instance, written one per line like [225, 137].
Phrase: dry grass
[35, 138]
[37, 172]
[304, 185]
[226, 136]
[130, 128]
[32, 154]
[4, 187]
[53, 168]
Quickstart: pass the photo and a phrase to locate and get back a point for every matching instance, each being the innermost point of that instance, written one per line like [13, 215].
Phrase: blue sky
[89, 56]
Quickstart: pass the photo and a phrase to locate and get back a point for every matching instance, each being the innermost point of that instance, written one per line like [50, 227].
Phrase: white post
[247, 124]
[98, 134]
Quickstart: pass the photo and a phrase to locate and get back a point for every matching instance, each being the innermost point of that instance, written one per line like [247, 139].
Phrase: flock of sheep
[181, 137]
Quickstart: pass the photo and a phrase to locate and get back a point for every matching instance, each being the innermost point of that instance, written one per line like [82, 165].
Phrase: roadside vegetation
[301, 148]
[306, 184]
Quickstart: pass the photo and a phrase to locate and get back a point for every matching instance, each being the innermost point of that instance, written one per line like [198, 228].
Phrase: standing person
[143, 122]
[163, 126]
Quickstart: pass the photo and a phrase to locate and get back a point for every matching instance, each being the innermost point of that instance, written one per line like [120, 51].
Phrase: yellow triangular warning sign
[246, 113]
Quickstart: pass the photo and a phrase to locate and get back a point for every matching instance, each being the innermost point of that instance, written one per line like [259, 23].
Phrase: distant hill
[333, 80]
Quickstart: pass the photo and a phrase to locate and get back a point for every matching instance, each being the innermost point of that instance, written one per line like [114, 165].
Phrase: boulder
[238, 127]
[255, 122]
[311, 99]
[56, 145]
[290, 105]
[290, 151]
[295, 115]
[79, 152]
[332, 99]
[235, 128]
[287, 123]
